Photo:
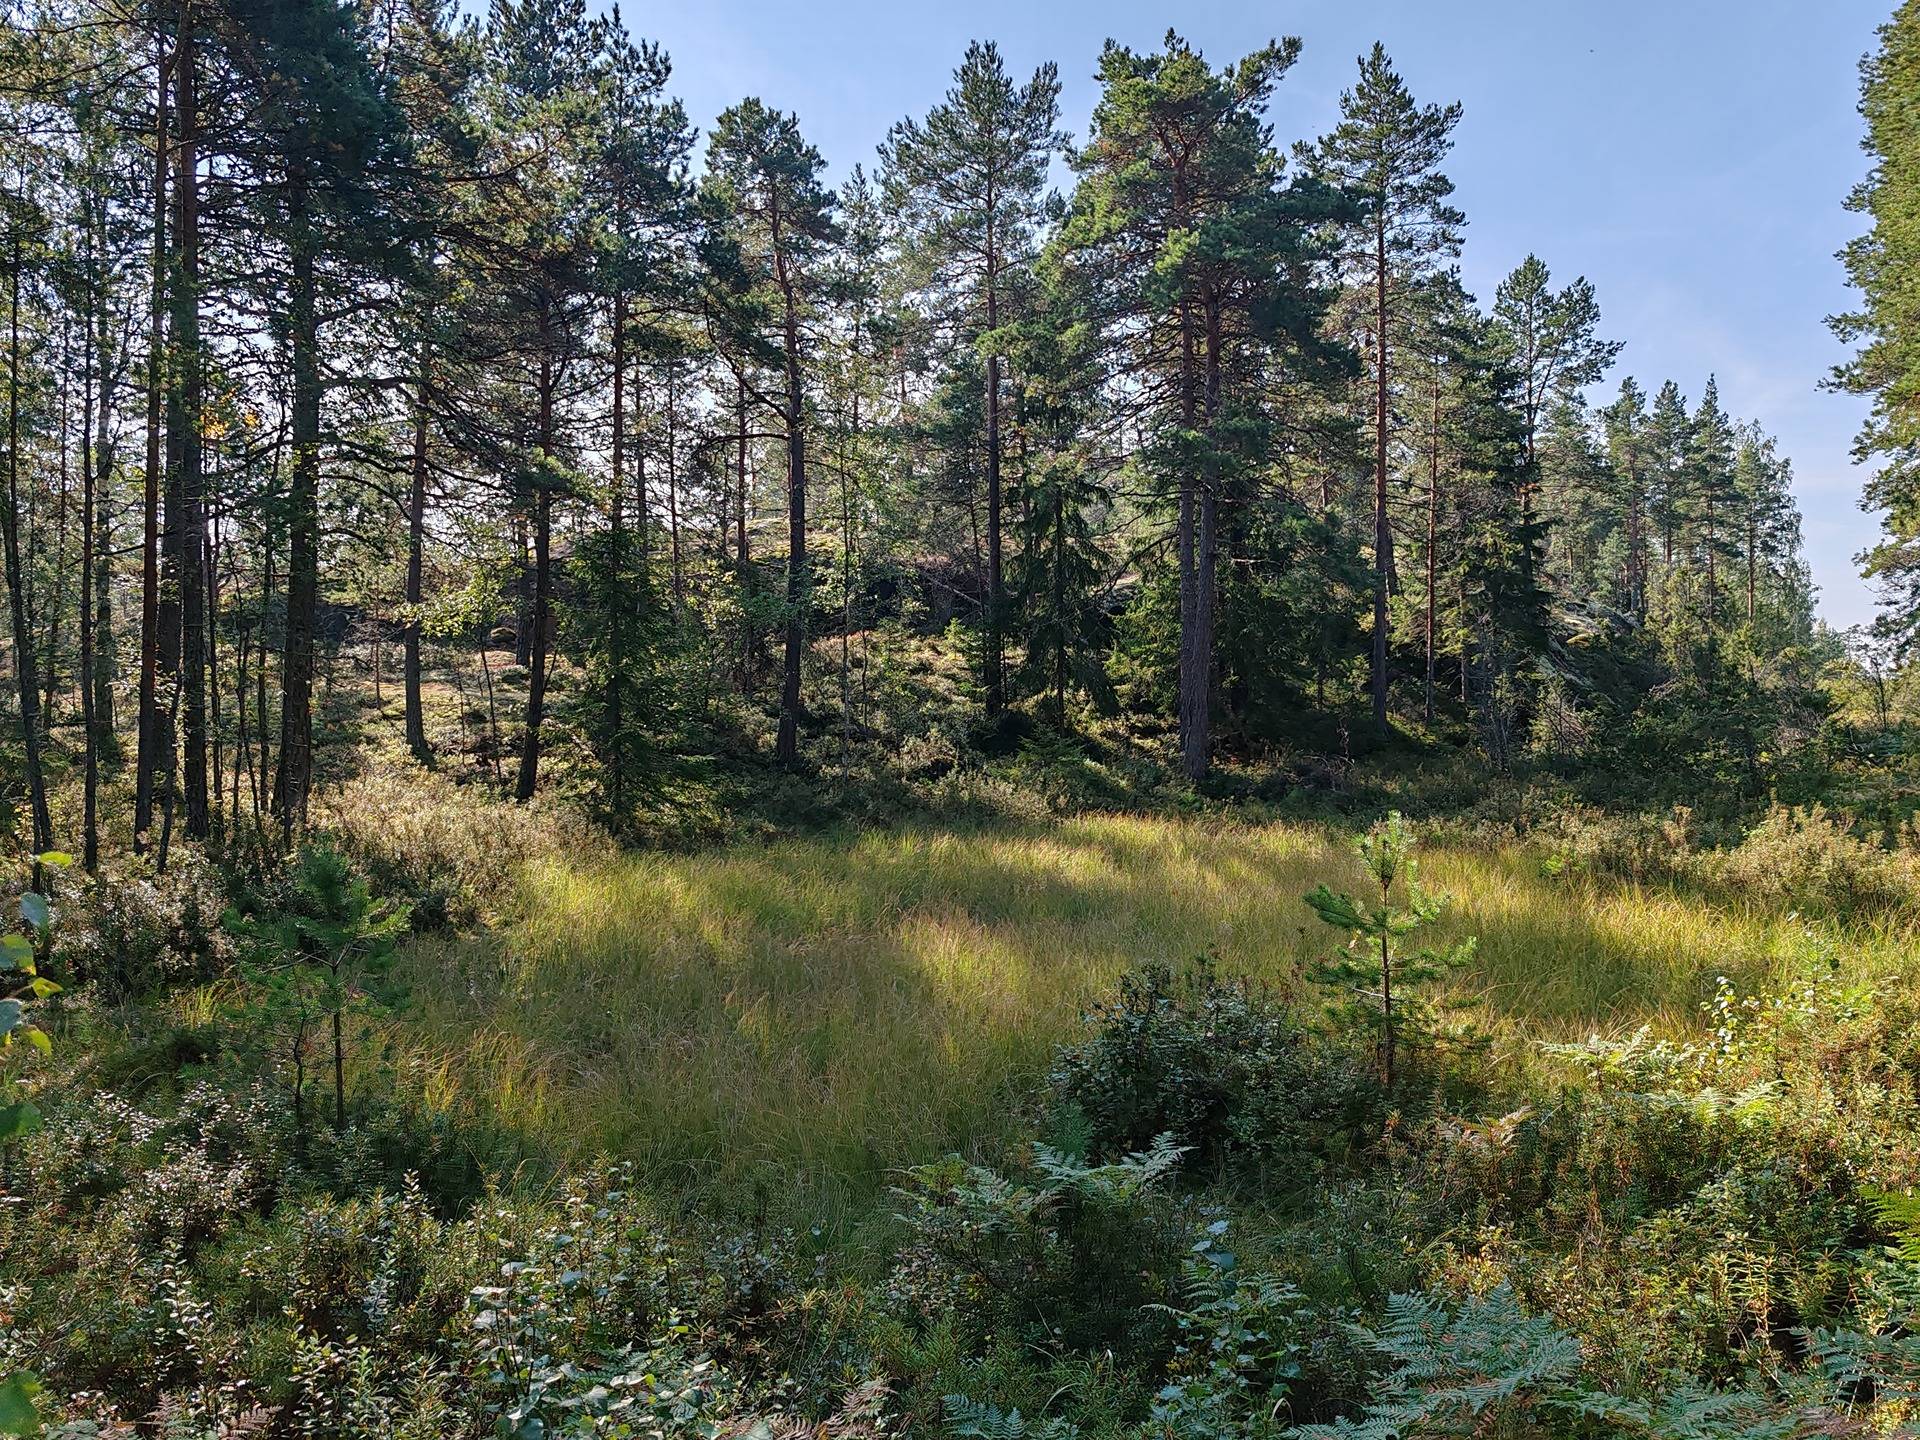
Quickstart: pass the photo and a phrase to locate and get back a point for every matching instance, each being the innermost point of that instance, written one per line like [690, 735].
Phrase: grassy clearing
[790, 1020]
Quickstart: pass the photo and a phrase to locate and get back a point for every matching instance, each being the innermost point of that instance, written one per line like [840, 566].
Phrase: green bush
[1812, 860]
[1221, 1066]
[1068, 1256]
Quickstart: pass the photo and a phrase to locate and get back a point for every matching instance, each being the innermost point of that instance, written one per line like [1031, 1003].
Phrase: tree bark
[993, 661]
[787, 742]
[293, 780]
[1189, 539]
[23, 656]
[1433, 540]
[529, 775]
[183, 413]
[149, 738]
[416, 545]
[90, 759]
[1382, 524]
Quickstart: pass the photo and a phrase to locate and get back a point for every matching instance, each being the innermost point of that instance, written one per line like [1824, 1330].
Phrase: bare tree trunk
[1188, 539]
[799, 582]
[1433, 534]
[23, 658]
[293, 780]
[1382, 524]
[149, 737]
[416, 545]
[529, 775]
[100, 678]
[617, 527]
[183, 414]
[90, 772]
[673, 486]
[994, 660]
[61, 570]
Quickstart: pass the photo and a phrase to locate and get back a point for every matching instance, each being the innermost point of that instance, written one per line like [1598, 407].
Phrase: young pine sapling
[326, 952]
[1378, 980]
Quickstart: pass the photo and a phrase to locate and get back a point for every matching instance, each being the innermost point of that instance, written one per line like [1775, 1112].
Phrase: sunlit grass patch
[813, 1011]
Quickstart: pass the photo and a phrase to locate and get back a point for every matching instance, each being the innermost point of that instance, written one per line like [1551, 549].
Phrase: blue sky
[1690, 157]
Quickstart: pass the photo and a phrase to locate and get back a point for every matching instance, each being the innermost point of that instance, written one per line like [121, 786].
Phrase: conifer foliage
[348, 332]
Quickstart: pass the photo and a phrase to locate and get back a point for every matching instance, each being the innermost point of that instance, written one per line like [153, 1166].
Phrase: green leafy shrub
[127, 932]
[1070, 1256]
[1811, 860]
[1221, 1066]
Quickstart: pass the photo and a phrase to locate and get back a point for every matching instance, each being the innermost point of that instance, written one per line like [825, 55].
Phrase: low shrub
[1813, 861]
[129, 932]
[420, 838]
[1221, 1066]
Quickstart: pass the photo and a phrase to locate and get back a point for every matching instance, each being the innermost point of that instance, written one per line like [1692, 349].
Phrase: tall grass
[800, 1016]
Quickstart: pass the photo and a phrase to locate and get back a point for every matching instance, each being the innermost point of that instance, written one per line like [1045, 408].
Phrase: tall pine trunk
[183, 414]
[994, 660]
[1382, 524]
[1433, 540]
[293, 780]
[416, 545]
[1191, 537]
[617, 560]
[24, 667]
[89, 440]
[529, 776]
[787, 742]
[149, 737]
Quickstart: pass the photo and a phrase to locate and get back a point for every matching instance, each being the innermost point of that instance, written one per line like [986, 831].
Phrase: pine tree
[23, 233]
[1886, 327]
[967, 184]
[1768, 520]
[771, 249]
[1710, 493]
[330, 147]
[1177, 228]
[1625, 425]
[1385, 154]
[1554, 348]
[1378, 982]
[1668, 434]
[544, 71]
